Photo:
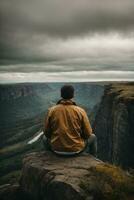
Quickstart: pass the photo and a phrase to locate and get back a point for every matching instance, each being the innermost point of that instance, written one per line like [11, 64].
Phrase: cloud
[61, 17]
[98, 52]
[66, 36]
[79, 76]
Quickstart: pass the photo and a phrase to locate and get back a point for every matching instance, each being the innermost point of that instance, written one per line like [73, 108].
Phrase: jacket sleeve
[47, 126]
[86, 127]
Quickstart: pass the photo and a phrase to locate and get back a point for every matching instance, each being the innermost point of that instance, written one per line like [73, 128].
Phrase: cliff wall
[15, 91]
[114, 125]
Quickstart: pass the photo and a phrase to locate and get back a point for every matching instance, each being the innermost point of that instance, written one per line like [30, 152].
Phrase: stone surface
[48, 176]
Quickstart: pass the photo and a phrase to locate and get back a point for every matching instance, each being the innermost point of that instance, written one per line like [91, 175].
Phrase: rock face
[114, 125]
[51, 177]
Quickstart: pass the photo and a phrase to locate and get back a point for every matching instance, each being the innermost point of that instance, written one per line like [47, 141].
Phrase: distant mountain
[15, 91]
[21, 101]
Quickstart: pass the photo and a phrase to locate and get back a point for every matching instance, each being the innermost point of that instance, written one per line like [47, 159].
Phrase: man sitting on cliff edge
[67, 130]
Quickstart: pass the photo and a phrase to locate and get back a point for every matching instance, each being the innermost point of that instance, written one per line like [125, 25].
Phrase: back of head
[67, 92]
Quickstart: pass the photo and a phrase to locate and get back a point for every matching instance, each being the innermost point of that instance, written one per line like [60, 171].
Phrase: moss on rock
[108, 182]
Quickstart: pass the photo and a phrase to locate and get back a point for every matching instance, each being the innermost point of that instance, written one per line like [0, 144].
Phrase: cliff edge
[114, 125]
[46, 176]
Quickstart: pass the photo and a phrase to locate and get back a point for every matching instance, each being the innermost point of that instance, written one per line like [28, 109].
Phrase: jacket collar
[66, 102]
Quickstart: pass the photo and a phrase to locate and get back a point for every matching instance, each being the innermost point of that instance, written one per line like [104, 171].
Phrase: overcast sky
[65, 40]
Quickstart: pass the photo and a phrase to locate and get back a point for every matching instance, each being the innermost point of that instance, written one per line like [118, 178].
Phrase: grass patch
[124, 91]
[108, 182]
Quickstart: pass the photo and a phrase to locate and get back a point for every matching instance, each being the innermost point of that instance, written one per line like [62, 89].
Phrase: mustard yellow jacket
[67, 126]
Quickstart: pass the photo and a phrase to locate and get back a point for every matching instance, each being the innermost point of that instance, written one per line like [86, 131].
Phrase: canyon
[42, 175]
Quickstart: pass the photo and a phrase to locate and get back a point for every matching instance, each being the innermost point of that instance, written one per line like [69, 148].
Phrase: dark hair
[67, 92]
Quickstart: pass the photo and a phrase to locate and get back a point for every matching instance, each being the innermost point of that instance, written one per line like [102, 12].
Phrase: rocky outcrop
[114, 125]
[52, 177]
[46, 176]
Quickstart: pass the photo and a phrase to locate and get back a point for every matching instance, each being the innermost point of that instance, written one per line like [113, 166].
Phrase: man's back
[67, 125]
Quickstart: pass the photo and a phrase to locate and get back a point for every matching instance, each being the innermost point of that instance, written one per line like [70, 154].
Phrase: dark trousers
[90, 145]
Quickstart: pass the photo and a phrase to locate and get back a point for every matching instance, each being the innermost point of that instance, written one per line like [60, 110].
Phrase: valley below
[23, 108]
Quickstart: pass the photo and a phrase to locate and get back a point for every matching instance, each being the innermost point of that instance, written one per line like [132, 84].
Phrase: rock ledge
[50, 177]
